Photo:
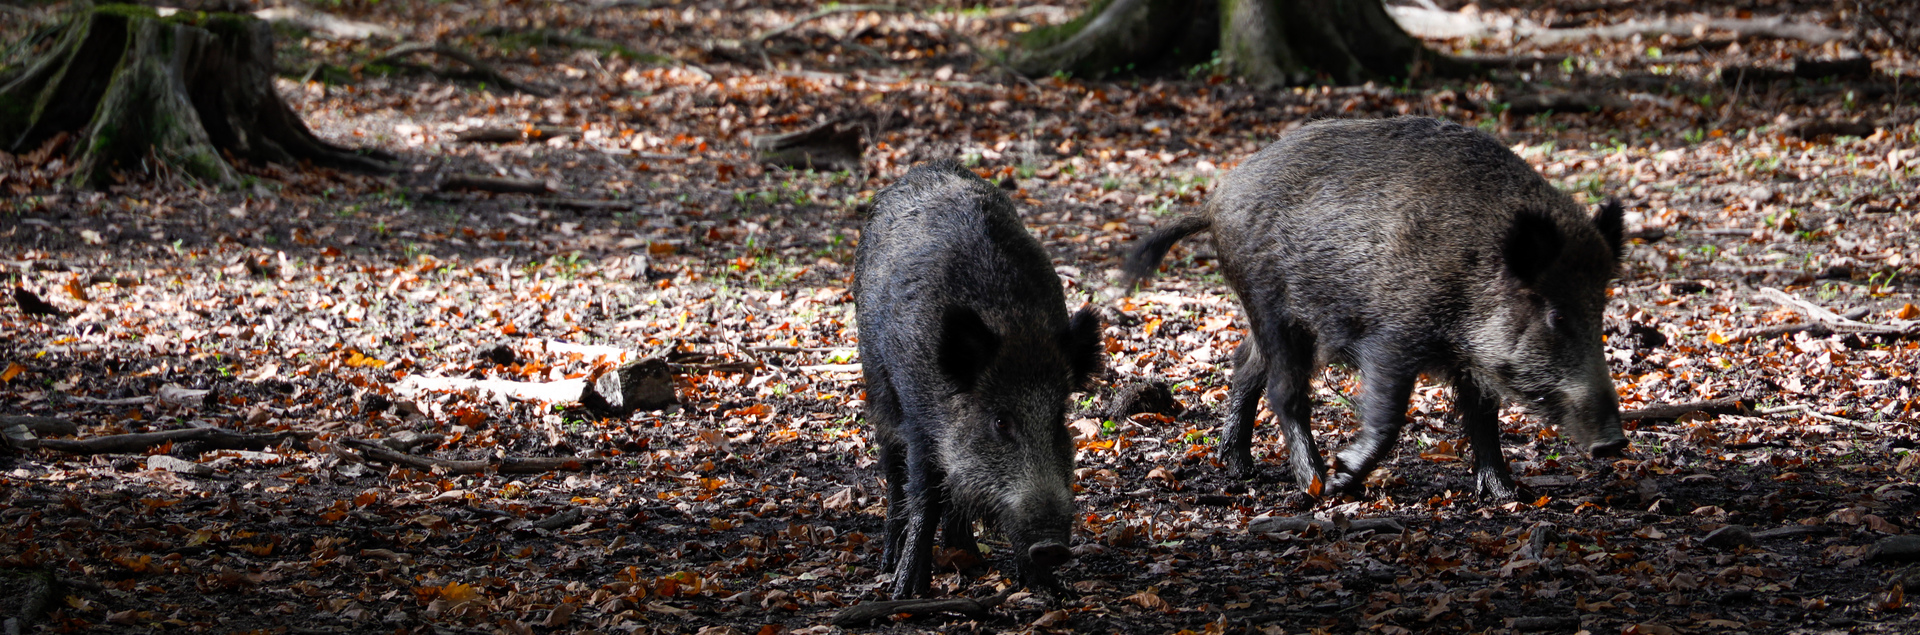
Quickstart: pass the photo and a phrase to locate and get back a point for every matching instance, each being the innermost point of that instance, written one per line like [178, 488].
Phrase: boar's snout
[1049, 554]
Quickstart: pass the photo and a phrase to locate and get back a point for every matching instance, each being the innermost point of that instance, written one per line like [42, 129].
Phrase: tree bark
[147, 95]
[1268, 42]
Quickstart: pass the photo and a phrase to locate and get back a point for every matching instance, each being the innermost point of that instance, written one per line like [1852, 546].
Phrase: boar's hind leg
[1285, 365]
[1479, 413]
[1383, 412]
[1249, 377]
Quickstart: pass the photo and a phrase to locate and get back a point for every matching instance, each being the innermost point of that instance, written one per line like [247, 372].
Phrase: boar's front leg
[1383, 412]
[1479, 413]
[883, 417]
[913, 569]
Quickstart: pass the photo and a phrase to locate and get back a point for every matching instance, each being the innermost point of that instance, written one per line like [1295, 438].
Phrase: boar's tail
[1145, 256]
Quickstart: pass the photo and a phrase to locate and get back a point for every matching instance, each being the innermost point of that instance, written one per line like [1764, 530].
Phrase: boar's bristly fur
[1408, 246]
[969, 357]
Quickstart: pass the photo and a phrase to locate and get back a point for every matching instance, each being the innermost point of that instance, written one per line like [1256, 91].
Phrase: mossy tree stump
[1268, 42]
[141, 94]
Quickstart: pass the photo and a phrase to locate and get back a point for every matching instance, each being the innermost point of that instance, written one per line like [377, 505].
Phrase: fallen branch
[1807, 409]
[479, 68]
[1817, 128]
[1296, 524]
[1566, 102]
[41, 426]
[211, 438]
[495, 184]
[503, 465]
[1439, 23]
[556, 392]
[642, 385]
[1669, 412]
[1839, 323]
[510, 135]
[585, 204]
[870, 612]
[329, 26]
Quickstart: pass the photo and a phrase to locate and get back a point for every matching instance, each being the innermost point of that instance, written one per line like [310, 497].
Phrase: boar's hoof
[1609, 448]
[1344, 484]
[1494, 488]
[1048, 555]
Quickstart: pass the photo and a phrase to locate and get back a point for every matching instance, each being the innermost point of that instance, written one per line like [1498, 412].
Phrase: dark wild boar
[969, 357]
[1408, 246]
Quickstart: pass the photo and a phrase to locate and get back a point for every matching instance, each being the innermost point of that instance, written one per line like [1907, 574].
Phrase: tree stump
[145, 95]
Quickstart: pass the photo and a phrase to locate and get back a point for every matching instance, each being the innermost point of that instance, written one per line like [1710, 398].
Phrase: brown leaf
[1147, 600]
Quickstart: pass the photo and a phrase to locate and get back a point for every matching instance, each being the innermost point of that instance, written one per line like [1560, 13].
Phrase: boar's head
[1545, 336]
[1005, 445]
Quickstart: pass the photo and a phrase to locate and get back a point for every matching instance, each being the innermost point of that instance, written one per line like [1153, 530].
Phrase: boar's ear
[966, 346]
[1610, 219]
[1081, 342]
[1533, 243]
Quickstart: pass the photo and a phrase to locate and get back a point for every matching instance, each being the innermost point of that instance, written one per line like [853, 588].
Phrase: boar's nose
[1049, 554]
[1608, 448]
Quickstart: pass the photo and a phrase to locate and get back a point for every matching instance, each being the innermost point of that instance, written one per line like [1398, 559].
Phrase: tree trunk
[1268, 42]
[173, 96]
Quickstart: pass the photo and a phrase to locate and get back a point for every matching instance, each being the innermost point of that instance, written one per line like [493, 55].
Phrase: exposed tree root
[151, 96]
[477, 68]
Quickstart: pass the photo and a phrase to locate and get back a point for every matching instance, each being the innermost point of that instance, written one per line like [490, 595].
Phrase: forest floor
[305, 308]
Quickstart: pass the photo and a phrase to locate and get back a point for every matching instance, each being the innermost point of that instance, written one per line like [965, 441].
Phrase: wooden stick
[214, 438]
[1668, 412]
[499, 185]
[504, 465]
[564, 391]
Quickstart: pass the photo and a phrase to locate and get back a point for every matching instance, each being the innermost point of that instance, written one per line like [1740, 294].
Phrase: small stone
[1146, 396]
[1728, 537]
[643, 385]
[499, 354]
[1895, 549]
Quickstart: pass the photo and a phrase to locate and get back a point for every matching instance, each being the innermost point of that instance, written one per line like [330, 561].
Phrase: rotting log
[176, 96]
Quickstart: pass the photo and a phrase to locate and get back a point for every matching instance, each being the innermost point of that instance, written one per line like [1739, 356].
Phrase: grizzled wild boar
[1408, 246]
[969, 356]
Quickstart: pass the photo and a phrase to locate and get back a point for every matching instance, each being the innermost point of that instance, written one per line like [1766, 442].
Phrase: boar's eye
[1002, 428]
[1557, 319]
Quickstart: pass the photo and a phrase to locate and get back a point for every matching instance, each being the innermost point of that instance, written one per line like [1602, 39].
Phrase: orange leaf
[1907, 312]
[13, 370]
